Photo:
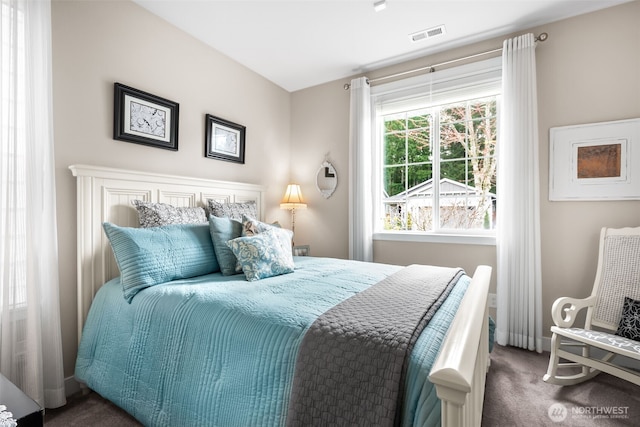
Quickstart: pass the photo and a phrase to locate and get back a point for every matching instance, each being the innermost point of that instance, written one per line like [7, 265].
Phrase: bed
[218, 349]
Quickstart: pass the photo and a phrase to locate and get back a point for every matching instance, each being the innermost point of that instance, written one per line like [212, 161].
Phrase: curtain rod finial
[542, 37]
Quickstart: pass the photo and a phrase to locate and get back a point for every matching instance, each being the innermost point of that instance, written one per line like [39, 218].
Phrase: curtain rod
[542, 37]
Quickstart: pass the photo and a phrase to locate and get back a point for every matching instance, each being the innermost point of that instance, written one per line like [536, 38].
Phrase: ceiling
[302, 43]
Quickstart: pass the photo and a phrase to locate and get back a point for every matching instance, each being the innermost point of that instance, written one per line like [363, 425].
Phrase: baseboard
[71, 386]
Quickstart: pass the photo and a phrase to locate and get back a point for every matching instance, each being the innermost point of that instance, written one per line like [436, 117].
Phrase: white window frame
[13, 75]
[476, 80]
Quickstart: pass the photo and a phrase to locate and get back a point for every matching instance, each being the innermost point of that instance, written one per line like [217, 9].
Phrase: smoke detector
[428, 33]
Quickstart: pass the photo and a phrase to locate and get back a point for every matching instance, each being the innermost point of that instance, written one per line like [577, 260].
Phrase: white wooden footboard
[459, 372]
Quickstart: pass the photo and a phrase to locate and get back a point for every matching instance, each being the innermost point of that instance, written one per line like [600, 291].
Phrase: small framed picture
[303, 250]
[224, 140]
[143, 118]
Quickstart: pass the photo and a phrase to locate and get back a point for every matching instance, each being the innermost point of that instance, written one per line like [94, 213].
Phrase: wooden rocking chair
[617, 277]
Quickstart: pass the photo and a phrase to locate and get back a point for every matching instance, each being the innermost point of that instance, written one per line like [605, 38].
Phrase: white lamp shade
[293, 198]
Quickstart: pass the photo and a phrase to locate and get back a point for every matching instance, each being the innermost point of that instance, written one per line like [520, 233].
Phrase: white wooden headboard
[105, 195]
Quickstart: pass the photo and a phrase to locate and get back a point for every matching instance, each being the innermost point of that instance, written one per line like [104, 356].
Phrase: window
[436, 146]
[13, 152]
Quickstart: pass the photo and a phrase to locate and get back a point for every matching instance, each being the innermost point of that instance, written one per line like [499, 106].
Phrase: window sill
[463, 239]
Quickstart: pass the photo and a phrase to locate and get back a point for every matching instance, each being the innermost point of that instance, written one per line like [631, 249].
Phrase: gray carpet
[88, 410]
[515, 396]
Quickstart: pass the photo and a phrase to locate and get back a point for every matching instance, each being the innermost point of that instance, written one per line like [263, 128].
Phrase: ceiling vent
[428, 34]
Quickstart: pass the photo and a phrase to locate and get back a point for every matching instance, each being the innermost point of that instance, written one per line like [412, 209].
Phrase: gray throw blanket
[352, 361]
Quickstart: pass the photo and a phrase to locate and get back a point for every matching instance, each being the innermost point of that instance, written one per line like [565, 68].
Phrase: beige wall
[588, 71]
[319, 128]
[98, 43]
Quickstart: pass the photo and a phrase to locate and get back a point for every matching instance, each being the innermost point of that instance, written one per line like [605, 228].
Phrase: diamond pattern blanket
[352, 361]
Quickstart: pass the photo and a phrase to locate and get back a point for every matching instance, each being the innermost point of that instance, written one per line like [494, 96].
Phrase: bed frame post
[459, 372]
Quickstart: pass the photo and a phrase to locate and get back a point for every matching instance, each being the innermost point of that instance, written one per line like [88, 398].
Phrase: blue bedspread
[220, 351]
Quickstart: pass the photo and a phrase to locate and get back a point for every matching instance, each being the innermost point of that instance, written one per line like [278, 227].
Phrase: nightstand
[24, 409]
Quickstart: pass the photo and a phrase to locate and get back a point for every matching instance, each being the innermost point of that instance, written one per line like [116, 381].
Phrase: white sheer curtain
[30, 342]
[519, 314]
[360, 170]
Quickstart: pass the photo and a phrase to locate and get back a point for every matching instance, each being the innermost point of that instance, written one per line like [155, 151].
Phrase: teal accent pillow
[263, 255]
[222, 230]
[150, 256]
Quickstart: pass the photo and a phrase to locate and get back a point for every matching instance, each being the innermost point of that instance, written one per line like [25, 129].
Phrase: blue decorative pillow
[629, 326]
[150, 256]
[222, 230]
[251, 227]
[263, 255]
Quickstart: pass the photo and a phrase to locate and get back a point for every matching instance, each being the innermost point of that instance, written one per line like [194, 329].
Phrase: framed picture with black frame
[224, 140]
[143, 118]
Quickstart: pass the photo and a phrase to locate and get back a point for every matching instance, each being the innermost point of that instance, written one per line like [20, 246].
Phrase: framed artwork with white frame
[597, 161]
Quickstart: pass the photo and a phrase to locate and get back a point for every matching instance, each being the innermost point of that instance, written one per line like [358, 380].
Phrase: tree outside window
[439, 167]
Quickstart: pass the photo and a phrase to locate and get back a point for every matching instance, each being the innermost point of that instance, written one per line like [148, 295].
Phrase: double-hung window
[435, 155]
[12, 152]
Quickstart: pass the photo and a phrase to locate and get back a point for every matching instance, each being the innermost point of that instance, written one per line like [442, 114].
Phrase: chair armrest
[564, 317]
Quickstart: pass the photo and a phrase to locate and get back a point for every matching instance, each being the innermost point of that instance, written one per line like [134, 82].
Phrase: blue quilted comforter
[220, 351]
